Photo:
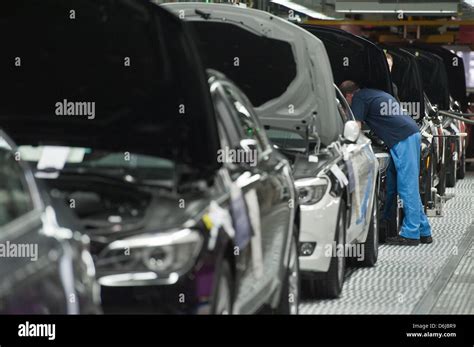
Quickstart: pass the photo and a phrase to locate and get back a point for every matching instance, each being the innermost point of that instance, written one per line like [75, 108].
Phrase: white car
[285, 72]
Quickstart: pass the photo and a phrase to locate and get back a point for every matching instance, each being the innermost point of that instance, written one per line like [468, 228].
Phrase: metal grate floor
[404, 275]
[457, 296]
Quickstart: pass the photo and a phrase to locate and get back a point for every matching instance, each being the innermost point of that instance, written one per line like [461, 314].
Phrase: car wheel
[451, 170]
[427, 181]
[330, 283]
[371, 245]
[441, 188]
[290, 296]
[222, 298]
[395, 223]
[462, 162]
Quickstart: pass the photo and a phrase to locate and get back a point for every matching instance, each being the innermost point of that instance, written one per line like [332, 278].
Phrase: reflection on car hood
[309, 94]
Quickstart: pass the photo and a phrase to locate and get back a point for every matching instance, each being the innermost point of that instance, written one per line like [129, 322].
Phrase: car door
[30, 280]
[263, 181]
[363, 164]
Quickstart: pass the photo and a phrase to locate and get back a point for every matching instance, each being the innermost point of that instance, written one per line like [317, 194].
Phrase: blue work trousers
[402, 178]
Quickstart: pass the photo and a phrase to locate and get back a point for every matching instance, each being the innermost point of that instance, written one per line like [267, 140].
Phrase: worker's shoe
[402, 241]
[426, 239]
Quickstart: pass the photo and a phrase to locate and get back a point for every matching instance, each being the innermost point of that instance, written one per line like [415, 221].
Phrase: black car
[188, 207]
[45, 264]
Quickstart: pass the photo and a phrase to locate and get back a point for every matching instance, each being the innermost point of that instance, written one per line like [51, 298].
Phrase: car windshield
[135, 167]
[288, 140]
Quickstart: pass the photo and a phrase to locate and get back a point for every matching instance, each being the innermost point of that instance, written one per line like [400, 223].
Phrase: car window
[248, 124]
[15, 198]
[287, 139]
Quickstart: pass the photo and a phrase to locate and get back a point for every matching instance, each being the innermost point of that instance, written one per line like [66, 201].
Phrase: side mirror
[351, 131]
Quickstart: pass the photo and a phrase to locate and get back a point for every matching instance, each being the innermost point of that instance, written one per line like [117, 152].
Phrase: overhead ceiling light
[388, 6]
[299, 8]
[397, 11]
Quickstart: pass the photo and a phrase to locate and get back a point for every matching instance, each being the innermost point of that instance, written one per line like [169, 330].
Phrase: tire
[371, 244]
[290, 295]
[462, 162]
[451, 173]
[222, 297]
[427, 181]
[329, 284]
[383, 223]
[441, 188]
[395, 224]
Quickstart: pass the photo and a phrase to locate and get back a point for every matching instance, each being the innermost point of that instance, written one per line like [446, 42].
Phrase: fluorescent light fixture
[396, 11]
[300, 8]
[373, 6]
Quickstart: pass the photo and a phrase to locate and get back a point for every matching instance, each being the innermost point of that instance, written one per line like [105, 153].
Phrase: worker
[401, 134]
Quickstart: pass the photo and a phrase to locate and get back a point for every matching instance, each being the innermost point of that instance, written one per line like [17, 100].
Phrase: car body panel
[354, 58]
[454, 65]
[406, 75]
[271, 182]
[304, 98]
[119, 110]
[435, 79]
[52, 271]
[318, 224]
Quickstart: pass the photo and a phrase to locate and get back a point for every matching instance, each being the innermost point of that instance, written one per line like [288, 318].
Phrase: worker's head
[348, 89]
[389, 61]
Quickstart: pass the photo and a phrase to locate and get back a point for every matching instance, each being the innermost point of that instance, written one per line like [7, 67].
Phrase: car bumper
[318, 224]
[173, 294]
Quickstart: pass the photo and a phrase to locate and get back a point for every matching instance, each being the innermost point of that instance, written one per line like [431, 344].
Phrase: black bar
[136, 330]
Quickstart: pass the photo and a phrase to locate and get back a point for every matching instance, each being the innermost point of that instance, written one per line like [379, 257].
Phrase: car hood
[354, 58]
[435, 79]
[406, 75]
[454, 65]
[287, 90]
[112, 75]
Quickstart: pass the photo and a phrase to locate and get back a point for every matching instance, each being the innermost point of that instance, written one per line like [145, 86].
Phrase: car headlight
[311, 191]
[163, 253]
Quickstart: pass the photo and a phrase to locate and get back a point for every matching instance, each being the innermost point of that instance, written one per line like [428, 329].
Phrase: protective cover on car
[435, 79]
[110, 75]
[454, 65]
[354, 58]
[407, 77]
[283, 70]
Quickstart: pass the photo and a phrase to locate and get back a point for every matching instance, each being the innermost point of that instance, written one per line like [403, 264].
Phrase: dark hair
[348, 87]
